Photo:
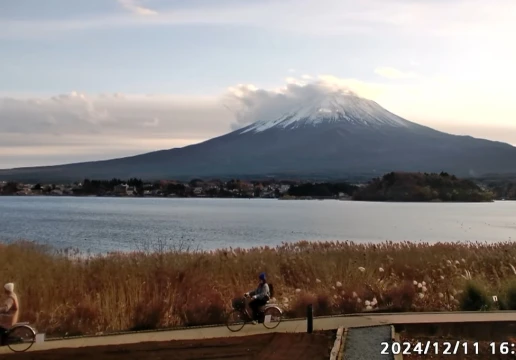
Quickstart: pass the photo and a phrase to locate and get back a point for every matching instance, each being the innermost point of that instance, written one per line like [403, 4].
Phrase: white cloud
[104, 125]
[135, 7]
[251, 104]
[152, 123]
[79, 113]
[391, 73]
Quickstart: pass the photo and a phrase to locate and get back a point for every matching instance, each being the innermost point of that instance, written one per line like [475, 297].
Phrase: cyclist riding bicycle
[260, 297]
[9, 310]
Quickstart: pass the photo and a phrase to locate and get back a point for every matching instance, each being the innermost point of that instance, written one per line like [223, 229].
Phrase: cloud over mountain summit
[250, 104]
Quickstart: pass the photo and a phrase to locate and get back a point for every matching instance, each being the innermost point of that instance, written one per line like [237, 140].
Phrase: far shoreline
[253, 198]
[395, 186]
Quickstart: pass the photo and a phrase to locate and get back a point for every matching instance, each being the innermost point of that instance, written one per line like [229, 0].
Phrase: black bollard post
[309, 319]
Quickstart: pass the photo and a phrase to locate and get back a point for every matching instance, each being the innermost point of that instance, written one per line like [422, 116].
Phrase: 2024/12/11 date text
[445, 348]
[430, 348]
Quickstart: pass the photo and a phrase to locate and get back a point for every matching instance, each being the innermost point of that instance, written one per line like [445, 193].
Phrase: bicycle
[21, 334]
[270, 315]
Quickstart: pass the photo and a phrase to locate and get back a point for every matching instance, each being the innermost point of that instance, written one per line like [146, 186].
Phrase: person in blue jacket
[260, 297]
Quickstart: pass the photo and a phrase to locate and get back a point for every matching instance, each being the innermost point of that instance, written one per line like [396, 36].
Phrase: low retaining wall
[338, 346]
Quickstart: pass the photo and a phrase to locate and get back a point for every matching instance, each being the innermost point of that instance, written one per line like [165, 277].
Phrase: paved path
[366, 343]
[322, 323]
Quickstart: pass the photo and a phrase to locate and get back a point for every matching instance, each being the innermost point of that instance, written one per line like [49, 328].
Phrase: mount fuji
[336, 135]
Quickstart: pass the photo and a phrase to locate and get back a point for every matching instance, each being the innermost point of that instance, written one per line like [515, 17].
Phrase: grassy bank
[66, 293]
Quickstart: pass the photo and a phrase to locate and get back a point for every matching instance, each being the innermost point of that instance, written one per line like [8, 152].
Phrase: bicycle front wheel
[272, 317]
[235, 321]
[20, 338]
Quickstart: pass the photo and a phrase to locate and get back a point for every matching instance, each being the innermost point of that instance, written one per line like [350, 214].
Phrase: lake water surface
[105, 224]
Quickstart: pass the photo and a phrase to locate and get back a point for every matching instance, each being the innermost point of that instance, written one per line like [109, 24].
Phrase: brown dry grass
[71, 293]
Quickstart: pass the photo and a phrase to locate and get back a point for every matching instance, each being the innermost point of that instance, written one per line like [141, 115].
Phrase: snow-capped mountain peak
[335, 107]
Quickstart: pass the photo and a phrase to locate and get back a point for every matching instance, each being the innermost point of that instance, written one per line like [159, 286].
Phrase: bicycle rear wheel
[20, 338]
[235, 321]
[272, 317]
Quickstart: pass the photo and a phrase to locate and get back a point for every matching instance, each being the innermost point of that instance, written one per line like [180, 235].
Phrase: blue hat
[262, 276]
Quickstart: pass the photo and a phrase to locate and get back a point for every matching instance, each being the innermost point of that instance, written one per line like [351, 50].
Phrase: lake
[106, 224]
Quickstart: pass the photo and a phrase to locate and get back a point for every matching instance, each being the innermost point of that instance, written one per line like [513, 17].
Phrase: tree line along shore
[162, 286]
[394, 186]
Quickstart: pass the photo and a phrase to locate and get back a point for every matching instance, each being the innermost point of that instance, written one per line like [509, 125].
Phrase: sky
[97, 79]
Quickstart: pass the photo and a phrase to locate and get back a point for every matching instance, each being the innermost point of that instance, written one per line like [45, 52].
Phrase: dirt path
[275, 346]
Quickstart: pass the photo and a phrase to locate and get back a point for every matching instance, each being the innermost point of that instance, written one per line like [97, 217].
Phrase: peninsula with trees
[422, 187]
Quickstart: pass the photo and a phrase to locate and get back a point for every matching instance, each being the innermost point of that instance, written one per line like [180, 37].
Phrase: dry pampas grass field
[66, 292]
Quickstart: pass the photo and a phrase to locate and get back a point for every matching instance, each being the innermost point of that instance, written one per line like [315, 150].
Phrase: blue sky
[446, 64]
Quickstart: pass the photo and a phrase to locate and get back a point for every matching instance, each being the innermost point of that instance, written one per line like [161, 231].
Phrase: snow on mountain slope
[332, 108]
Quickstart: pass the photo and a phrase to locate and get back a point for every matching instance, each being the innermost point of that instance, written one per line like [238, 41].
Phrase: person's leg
[259, 313]
[3, 332]
[253, 304]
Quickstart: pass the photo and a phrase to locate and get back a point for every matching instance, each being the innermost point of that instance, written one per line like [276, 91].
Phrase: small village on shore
[138, 188]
